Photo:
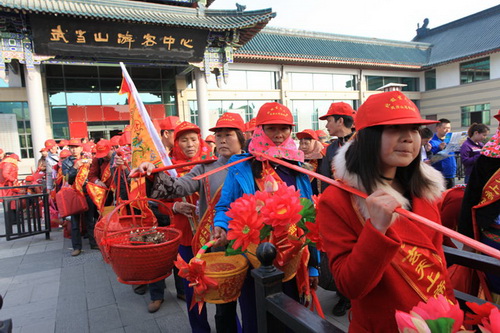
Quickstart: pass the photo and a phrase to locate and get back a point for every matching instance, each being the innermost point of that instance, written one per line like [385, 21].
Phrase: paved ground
[47, 290]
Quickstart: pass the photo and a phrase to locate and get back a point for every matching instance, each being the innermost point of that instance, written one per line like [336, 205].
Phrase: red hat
[43, 149]
[183, 127]
[14, 156]
[103, 147]
[229, 120]
[29, 178]
[307, 134]
[340, 109]
[75, 142]
[250, 126]
[170, 123]
[210, 138]
[87, 147]
[274, 113]
[63, 143]
[389, 108]
[497, 116]
[50, 143]
[321, 133]
[64, 153]
[115, 140]
[126, 137]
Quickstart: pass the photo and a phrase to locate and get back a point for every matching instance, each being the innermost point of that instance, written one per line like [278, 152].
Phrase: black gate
[26, 211]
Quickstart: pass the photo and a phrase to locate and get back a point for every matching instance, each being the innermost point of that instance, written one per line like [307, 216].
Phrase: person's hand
[143, 168]
[428, 147]
[184, 208]
[442, 145]
[120, 162]
[381, 206]
[313, 282]
[220, 234]
[77, 164]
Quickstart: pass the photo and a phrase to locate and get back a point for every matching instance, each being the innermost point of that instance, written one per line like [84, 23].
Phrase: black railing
[275, 310]
[473, 260]
[26, 214]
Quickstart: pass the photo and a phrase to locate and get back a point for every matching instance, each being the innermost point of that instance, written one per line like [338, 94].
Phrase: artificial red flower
[282, 208]
[440, 307]
[480, 311]
[491, 324]
[408, 323]
[315, 199]
[246, 222]
[270, 184]
[313, 235]
[194, 272]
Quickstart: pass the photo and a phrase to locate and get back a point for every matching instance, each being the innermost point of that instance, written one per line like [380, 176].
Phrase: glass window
[479, 113]
[3, 84]
[83, 98]
[237, 80]
[193, 111]
[60, 131]
[260, 80]
[55, 84]
[323, 82]
[58, 98]
[150, 98]
[59, 114]
[430, 80]
[113, 99]
[253, 109]
[344, 82]
[375, 82]
[147, 85]
[110, 85]
[54, 70]
[474, 71]
[111, 72]
[82, 84]
[80, 71]
[239, 107]
[301, 81]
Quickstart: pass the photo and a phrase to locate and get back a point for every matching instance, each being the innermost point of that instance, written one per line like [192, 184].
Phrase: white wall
[448, 76]
[495, 66]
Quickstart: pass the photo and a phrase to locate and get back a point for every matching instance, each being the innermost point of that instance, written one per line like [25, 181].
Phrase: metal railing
[26, 214]
[277, 311]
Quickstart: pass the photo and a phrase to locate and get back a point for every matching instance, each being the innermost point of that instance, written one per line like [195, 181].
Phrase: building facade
[205, 62]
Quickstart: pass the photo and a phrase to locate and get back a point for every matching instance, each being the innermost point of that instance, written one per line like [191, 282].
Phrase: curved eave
[462, 58]
[323, 61]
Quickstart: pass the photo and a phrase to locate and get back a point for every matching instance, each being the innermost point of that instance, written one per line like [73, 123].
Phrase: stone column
[34, 91]
[202, 101]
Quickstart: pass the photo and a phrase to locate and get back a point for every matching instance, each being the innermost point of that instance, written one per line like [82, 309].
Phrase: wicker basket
[132, 263]
[229, 272]
[142, 264]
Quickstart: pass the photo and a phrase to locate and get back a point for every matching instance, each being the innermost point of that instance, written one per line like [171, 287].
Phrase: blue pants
[198, 321]
[88, 218]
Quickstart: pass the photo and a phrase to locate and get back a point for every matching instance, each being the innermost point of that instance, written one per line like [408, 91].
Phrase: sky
[383, 19]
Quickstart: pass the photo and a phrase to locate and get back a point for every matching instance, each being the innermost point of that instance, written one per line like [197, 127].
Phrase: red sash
[81, 177]
[490, 194]
[203, 233]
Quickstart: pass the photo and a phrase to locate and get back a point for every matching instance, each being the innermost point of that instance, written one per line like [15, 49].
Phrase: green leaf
[265, 231]
[232, 252]
[308, 212]
[441, 325]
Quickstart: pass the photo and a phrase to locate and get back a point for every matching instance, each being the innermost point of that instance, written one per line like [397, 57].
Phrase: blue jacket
[448, 166]
[239, 181]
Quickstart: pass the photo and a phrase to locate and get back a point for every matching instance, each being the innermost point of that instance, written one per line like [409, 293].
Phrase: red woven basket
[136, 264]
[142, 264]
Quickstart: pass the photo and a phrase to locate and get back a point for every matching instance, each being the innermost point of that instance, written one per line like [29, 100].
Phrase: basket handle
[205, 247]
[128, 202]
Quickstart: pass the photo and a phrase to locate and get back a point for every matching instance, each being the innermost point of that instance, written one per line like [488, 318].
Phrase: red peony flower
[491, 324]
[282, 208]
[313, 235]
[246, 222]
[480, 311]
[440, 307]
[194, 272]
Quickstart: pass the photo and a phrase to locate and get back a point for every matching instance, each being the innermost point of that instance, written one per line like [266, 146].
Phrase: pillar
[202, 101]
[36, 106]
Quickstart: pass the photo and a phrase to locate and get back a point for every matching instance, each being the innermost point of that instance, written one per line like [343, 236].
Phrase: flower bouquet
[278, 215]
[439, 315]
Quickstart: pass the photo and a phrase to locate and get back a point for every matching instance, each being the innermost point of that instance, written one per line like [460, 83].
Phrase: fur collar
[434, 191]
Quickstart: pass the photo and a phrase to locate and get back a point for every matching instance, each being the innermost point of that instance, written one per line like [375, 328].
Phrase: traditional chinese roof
[248, 22]
[276, 45]
[474, 35]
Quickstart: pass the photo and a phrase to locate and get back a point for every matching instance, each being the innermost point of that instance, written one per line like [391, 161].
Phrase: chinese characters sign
[79, 37]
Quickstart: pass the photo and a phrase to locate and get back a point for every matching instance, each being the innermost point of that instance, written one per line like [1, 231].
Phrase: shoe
[155, 306]
[340, 309]
[94, 247]
[181, 297]
[140, 289]
[76, 252]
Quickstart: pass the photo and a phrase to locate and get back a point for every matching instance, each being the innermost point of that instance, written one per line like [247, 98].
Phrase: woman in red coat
[381, 261]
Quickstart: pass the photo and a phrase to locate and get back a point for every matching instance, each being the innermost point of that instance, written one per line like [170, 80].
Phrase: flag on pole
[146, 143]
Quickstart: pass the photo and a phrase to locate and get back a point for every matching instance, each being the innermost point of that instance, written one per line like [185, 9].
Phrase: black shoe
[340, 309]
[140, 289]
[94, 247]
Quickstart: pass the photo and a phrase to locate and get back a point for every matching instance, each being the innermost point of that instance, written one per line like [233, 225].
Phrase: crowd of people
[380, 261]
